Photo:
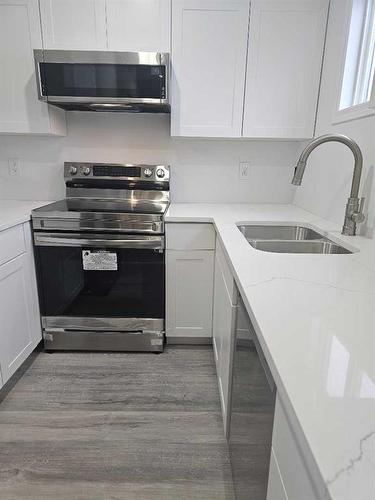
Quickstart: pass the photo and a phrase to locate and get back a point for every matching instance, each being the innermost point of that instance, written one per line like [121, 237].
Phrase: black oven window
[103, 80]
[134, 287]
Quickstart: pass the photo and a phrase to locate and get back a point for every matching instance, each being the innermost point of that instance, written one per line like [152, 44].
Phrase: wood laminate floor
[96, 426]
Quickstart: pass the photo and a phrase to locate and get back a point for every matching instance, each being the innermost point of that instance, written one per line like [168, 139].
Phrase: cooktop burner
[67, 207]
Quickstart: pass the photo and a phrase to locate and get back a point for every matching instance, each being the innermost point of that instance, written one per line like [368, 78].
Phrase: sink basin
[252, 232]
[320, 247]
[289, 239]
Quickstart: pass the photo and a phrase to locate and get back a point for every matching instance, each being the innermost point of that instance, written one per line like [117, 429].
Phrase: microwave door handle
[147, 242]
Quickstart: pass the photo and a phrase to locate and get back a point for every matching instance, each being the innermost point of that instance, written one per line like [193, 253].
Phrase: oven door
[101, 282]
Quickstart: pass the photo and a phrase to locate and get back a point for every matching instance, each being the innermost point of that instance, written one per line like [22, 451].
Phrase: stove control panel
[150, 173]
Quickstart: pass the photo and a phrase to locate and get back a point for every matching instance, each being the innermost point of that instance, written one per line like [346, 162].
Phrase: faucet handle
[362, 204]
[359, 216]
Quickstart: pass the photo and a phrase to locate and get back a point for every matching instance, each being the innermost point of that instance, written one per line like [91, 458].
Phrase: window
[359, 68]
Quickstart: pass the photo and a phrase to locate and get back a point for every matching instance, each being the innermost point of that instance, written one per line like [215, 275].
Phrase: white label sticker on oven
[99, 260]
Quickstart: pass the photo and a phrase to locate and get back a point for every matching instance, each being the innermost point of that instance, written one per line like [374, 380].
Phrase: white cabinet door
[286, 43]
[20, 329]
[275, 490]
[74, 24]
[189, 293]
[20, 110]
[16, 333]
[291, 461]
[138, 25]
[224, 314]
[209, 43]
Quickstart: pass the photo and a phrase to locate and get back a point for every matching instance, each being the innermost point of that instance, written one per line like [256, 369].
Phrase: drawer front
[291, 464]
[227, 274]
[12, 243]
[275, 490]
[184, 236]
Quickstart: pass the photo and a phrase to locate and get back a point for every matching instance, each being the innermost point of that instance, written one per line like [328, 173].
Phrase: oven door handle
[99, 241]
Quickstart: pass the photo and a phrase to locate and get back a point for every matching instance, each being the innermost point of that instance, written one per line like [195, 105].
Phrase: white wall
[202, 170]
[326, 184]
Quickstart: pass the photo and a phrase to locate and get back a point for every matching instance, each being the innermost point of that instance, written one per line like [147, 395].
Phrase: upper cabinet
[239, 68]
[286, 43]
[138, 25]
[209, 43]
[123, 25]
[20, 110]
[277, 51]
[73, 25]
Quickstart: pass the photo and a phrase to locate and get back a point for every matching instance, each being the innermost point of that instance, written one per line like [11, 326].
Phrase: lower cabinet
[189, 282]
[289, 478]
[276, 489]
[224, 317]
[20, 330]
[189, 293]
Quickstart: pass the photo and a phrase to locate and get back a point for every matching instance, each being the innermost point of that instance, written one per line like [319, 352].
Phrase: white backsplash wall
[327, 180]
[202, 170]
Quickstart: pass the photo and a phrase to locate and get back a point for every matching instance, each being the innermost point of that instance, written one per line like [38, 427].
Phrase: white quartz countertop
[13, 212]
[315, 319]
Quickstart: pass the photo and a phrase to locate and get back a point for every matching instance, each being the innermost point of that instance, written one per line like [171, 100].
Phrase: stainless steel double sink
[289, 239]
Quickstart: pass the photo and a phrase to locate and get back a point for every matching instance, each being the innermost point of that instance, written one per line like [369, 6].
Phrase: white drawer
[12, 243]
[275, 490]
[227, 273]
[187, 236]
[291, 464]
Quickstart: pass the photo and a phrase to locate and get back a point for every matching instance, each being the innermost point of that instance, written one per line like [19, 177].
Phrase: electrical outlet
[244, 171]
[14, 167]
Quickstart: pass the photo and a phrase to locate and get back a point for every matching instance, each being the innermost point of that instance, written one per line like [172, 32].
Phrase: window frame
[372, 100]
[355, 111]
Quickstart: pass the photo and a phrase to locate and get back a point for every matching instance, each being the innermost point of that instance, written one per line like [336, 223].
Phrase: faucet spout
[299, 172]
[354, 207]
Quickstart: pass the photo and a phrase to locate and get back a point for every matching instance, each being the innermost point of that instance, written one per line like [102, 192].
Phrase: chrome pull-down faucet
[354, 208]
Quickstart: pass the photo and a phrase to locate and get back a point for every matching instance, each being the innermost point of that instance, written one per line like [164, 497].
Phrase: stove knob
[160, 173]
[73, 170]
[87, 171]
[147, 172]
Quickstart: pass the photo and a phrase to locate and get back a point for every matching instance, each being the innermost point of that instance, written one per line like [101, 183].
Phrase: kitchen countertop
[315, 319]
[13, 212]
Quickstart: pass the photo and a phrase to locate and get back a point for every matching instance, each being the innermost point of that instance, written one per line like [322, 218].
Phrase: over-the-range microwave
[104, 81]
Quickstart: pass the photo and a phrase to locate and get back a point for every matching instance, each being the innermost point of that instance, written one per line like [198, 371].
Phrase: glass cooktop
[69, 206]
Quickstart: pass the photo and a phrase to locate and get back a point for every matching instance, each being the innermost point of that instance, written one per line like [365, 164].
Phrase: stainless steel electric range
[100, 259]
